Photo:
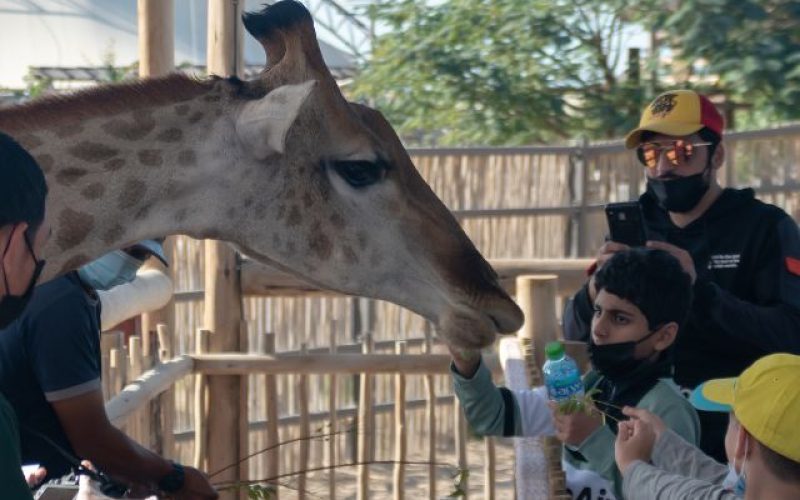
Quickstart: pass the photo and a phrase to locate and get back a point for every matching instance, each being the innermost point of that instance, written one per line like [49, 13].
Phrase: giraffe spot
[68, 176]
[281, 212]
[68, 130]
[308, 200]
[349, 255]
[261, 209]
[248, 202]
[362, 239]
[212, 97]
[187, 158]
[295, 218]
[291, 248]
[170, 135]
[132, 193]
[320, 244]
[219, 112]
[114, 164]
[180, 215]
[74, 263]
[93, 191]
[195, 117]
[181, 109]
[142, 212]
[337, 221]
[73, 228]
[151, 157]
[113, 235]
[276, 240]
[231, 212]
[29, 141]
[290, 193]
[135, 128]
[92, 152]
[46, 162]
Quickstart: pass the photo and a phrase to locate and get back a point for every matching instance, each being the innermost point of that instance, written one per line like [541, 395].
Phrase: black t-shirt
[51, 353]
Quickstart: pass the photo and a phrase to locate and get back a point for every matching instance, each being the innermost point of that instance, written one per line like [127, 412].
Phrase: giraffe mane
[103, 100]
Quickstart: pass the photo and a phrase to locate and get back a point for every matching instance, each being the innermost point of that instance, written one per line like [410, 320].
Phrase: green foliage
[499, 71]
[578, 404]
[747, 50]
[460, 478]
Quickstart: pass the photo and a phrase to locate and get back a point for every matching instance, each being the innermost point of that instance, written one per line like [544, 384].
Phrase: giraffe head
[350, 211]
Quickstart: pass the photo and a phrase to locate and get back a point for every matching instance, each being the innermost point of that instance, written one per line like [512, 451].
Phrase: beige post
[136, 423]
[305, 429]
[333, 426]
[430, 416]
[489, 466]
[166, 401]
[365, 433]
[400, 442]
[202, 343]
[223, 301]
[461, 443]
[273, 456]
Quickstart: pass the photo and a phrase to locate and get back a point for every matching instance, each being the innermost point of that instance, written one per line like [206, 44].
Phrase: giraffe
[281, 166]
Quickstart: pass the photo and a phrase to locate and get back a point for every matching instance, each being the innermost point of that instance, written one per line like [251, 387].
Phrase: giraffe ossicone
[282, 166]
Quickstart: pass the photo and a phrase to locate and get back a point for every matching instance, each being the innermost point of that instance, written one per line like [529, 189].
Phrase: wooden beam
[156, 37]
[262, 280]
[153, 382]
[409, 364]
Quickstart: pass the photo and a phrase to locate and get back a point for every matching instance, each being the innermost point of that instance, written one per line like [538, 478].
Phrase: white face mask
[736, 481]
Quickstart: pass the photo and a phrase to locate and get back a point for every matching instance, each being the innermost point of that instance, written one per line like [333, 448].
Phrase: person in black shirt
[50, 371]
[743, 255]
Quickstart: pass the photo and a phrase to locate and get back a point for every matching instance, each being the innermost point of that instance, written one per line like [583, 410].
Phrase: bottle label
[564, 389]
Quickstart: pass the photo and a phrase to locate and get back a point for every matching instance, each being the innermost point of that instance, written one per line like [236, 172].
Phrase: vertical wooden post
[536, 295]
[156, 37]
[489, 467]
[365, 434]
[400, 441]
[333, 426]
[305, 428]
[461, 443]
[430, 414]
[223, 300]
[166, 401]
[202, 343]
[135, 423]
[273, 456]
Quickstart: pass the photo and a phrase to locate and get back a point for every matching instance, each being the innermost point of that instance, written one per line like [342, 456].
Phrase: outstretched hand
[635, 440]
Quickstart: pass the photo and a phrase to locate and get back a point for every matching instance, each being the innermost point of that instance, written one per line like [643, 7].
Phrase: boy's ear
[665, 336]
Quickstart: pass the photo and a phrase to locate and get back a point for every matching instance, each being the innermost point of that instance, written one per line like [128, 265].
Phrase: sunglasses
[677, 152]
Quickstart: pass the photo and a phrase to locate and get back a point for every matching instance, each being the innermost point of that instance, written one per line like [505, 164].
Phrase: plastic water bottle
[561, 375]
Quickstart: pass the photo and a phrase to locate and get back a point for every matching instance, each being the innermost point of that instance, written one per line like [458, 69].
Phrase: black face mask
[616, 361]
[11, 306]
[681, 194]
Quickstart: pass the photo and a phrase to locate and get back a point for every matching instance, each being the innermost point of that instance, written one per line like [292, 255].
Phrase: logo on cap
[663, 105]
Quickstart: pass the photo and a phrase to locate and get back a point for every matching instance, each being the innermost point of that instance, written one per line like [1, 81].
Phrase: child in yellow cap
[762, 442]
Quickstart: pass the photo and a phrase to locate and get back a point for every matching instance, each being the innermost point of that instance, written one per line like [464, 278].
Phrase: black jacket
[747, 294]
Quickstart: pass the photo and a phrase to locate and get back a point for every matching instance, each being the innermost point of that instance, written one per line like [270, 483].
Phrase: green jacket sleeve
[484, 405]
[598, 450]
[12, 482]
[677, 413]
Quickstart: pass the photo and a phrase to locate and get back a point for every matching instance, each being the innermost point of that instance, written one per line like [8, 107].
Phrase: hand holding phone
[626, 223]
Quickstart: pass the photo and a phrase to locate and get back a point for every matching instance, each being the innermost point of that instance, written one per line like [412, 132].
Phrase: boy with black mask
[743, 254]
[643, 296]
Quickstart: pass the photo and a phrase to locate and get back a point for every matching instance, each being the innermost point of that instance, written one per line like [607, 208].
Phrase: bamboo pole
[134, 372]
[202, 345]
[223, 301]
[165, 434]
[430, 413]
[461, 444]
[489, 468]
[305, 430]
[156, 37]
[365, 434]
[401, 443]
[273, 456]
[333, 426]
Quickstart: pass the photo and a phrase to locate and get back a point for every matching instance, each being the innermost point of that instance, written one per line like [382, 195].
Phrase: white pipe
[150, 291]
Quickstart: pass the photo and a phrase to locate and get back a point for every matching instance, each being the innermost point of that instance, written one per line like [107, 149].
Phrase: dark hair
[23, 188]
[780, 466]
[652, 280]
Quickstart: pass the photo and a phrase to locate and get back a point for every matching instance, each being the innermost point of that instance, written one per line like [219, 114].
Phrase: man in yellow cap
[762, 442]
[743, 255]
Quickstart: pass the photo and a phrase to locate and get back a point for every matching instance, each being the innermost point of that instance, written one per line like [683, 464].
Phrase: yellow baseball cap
[765, 399]
[677, 112]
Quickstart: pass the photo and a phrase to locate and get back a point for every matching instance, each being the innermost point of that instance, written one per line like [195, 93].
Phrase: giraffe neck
[139, 173]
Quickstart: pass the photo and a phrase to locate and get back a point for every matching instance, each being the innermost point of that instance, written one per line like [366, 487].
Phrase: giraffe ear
[263, 124]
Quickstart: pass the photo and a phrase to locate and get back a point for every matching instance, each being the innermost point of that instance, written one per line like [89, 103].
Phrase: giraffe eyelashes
[360, 173]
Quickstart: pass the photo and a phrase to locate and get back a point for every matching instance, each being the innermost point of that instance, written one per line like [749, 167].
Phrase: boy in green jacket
[643, 296]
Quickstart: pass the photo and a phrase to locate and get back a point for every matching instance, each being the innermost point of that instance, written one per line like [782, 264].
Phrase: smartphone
[626, 223]
[56, 492]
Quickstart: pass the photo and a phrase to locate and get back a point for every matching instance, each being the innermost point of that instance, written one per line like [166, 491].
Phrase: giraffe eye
[360, 173]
